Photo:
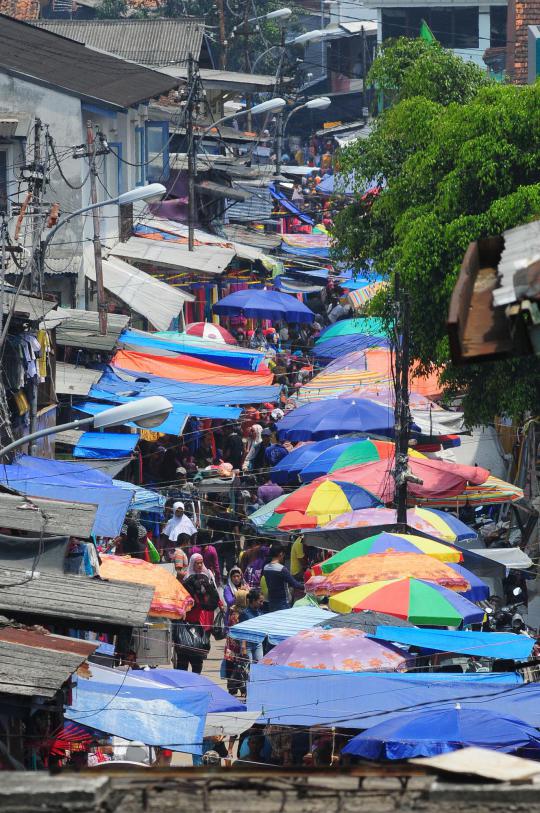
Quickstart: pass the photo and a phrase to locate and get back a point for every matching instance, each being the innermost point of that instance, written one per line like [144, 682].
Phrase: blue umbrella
[478, 591]
[290, 466]
[260, 303]
[438, 731]
[336, 416]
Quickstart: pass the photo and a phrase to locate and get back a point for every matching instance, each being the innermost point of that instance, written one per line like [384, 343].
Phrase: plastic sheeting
[127, 382]
[279, 625]
[179, 407]
[310, 697]
[39, 477]
[143, 499]
[482, 644]
[189, 369]
[155, 715]
[334, 348]
[173, 424]
[220, 700]
[105, 445]
[209, 351]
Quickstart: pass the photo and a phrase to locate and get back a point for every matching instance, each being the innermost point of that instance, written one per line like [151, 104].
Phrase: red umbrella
[438, 477]
[207, 330]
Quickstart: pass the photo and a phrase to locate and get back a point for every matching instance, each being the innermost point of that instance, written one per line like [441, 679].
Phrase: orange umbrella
[378, 567]
[170, 599]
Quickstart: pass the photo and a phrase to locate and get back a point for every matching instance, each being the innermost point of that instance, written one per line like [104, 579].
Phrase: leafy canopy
[452, 171]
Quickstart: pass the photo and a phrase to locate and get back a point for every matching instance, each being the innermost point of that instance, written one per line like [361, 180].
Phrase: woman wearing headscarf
[234, 661]
[192, 636]
[133, 538]
[255, 453]
[235, 582]
[177, 532]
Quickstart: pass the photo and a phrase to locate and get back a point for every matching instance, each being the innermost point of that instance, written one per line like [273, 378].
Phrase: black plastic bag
[219, 630]
[191, 637]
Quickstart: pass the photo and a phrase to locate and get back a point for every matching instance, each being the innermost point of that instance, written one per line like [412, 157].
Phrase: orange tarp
[378, 361]
[186, 368]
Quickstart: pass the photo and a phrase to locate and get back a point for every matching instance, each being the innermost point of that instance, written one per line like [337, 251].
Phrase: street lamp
[278, 14]
[263, 107]
[320, 103]
[151, 192]
[146, 413]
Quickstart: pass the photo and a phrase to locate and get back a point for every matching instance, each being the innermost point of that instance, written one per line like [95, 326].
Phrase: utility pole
[279, 117]
[192, 153]
[98, 260]
[401, 410]
[222, 36]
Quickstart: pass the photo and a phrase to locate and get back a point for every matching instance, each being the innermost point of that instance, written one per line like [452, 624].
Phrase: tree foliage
[450, 174]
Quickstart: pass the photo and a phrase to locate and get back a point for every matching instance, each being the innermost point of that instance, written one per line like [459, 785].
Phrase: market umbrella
[491, 492]
[390, 543]
[260, 303]
[368, 325]
[415, 600]
[440, 524]
[478, 591]
[211, 332]
[335, 416]
[290, 466]
[343, 650]
[377, 567]
[365, 620]
[439, 478]
[170, 599]
[325, 500]
[427, 732]
[351, 453]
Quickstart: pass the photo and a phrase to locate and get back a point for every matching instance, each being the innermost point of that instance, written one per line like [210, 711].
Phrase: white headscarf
[197, 557]
[233, 588]
[179, 525]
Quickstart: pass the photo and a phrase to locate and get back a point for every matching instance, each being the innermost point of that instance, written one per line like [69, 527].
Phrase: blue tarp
[440, 731]
[164, 717]
[143, 499]
[179, 407]
[306, 697]
[464, 642]
[172, 425]
[289, 205]
[279, 625]
[240, 359]
[220, 700]
[58, 479]
[105, 445]
[305, 252]
[126, 382]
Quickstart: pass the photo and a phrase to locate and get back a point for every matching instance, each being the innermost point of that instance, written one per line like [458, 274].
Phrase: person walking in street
[192, 635]
[235, 582]
[177, 532]
[278, 580]
[255, 601]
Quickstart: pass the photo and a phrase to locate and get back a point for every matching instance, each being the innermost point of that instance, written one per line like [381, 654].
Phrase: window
[453, 27]
[3, 181]
[140, 155]
[498, 15]
[157, 150]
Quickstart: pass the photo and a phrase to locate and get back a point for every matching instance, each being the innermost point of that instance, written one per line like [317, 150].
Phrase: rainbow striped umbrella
[441, 524]
[415, 600]
[390, 543]
[326, 500]
[492, 492]
[354, 453]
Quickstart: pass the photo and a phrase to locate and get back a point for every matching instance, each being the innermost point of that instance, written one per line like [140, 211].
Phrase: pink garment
[210, 559]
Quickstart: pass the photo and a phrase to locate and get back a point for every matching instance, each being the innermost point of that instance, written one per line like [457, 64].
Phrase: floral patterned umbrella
[343, 650]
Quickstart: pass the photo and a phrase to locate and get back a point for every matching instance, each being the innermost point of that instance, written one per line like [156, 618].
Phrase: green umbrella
[367, 325]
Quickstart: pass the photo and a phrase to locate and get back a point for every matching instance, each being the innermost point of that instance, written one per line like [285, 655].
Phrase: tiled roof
[20, 9]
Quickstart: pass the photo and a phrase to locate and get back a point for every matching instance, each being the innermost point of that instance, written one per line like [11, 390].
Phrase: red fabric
[203, 617]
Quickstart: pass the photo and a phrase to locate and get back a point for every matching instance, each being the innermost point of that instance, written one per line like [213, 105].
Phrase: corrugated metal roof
[251, 237]
[150, 42]
[80, 328]
[32, 308]
[35, 663]
[78, 600]
[229, 80]
[74, 380]
[257, 208]
[41, 515]
[209, 259]
[35, 53]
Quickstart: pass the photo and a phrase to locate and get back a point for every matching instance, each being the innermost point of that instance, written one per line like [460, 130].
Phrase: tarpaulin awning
[40, 477]
[279, 625]
[167, 718]
[362, 699]
[287, 204]
[188, 369]
[238, 358]
[306, 245]
[105, 445]
[465, 642]
[220, 700]
[157, 301]
[180, 408]
[143, 499]
[173, 424]
[334, 348]
[131, 383]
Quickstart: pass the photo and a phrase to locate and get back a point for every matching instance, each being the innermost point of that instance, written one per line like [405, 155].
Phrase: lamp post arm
[292, 112]
[42, 433]
[272, 48]
[62, 222]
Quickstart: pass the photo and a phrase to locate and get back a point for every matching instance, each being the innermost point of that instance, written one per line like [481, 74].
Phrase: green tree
[449, 175]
